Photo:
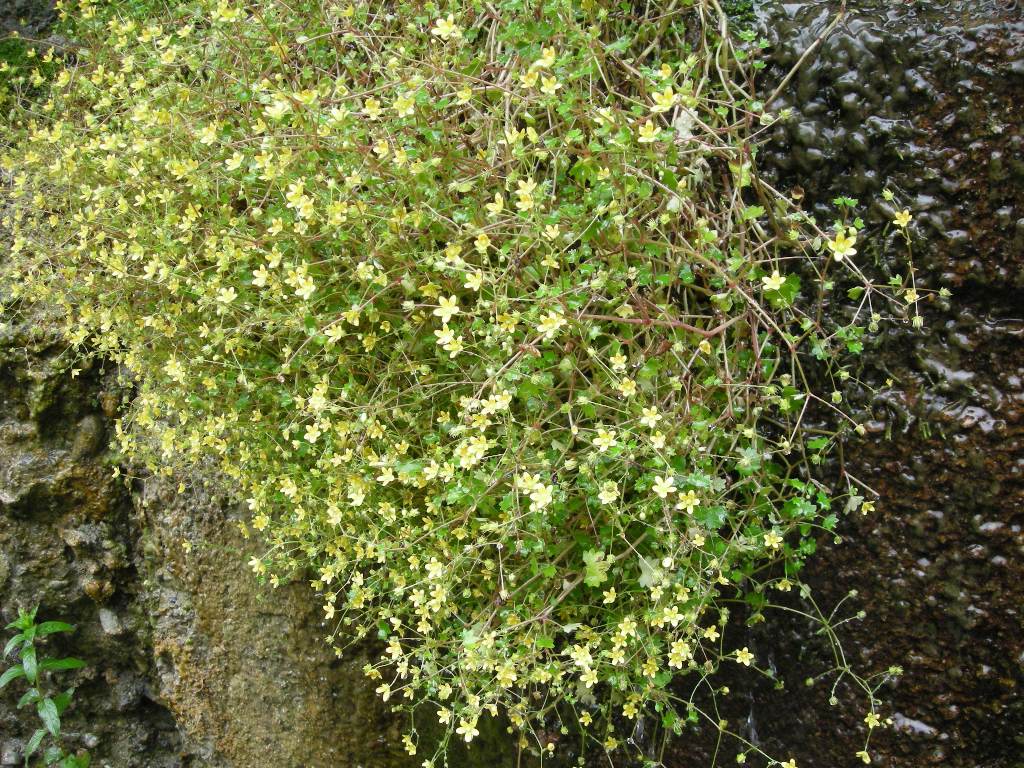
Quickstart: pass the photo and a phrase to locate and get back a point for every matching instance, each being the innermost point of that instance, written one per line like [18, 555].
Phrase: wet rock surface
[190, 661]
[26, 16]
[68, 543]
[925, 99]
[245, 668]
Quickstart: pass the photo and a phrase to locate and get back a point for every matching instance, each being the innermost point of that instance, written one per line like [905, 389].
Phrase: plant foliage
[35, 671]
[484, 309]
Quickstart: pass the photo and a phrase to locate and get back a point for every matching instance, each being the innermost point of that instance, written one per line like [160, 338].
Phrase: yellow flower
[474, 280]
[902, 218]
[497, 206]
[627, 387]
[447, 29]
[546, 60]
[529, 78]
[872, 720]
[648, 133]
[663, 486]
[405, 105]
[744, 656]
[448, 308]
[609, 493]
[524, 192]
[688, 501]
[605, 439]
[550, 86]
[772, 540]
[650, 417]
[540, 497]
[773, 282]
[372, 108]
[481, 243]
[445, 335]
[550, 324]
[663, 100]
[467, 728]
[842, 245]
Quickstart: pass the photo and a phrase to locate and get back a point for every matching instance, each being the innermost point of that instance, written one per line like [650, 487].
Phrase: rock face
[68, 542]
[192, 664]
[925, 99]
[245, 670]
[27, 16]
[190, 661]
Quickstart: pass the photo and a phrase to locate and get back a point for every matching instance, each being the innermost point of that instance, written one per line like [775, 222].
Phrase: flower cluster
[482, 308]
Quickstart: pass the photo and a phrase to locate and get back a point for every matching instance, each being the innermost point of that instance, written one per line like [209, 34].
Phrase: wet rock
[67, 543]
[26, 16]
[244, 668]
[931, 88]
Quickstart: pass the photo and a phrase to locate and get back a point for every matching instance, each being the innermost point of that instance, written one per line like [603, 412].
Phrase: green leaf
[31, 696]
[47, 710]
[28, 660]
[57, 664]
[13, 643]
[63, 700]
[752, 212]
[596, 572]
[34, 742]
[11, 674]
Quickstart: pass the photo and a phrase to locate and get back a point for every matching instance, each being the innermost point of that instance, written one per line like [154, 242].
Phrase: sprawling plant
[481, 306]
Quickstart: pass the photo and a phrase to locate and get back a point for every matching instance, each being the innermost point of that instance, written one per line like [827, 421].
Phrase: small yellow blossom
[773, 282]
[497, 206]
[604, 440]
[609, 492]
[648, 133]
[448, 308]
[550, 324]
[663, 486]
[550, 86]
[842, 245]
[664, 100]
[467, 729]
[447, 29]
[372, 108]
